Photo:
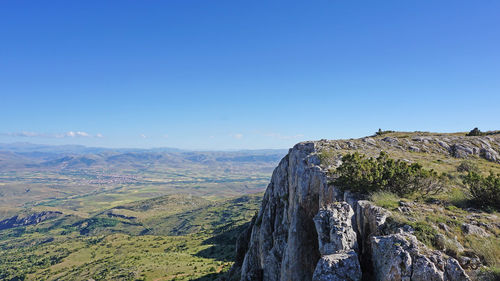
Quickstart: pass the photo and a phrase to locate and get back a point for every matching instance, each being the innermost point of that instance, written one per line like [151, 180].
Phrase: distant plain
[159, 214]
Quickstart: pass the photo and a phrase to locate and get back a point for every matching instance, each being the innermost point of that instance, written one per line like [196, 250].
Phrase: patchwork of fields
[145, 216]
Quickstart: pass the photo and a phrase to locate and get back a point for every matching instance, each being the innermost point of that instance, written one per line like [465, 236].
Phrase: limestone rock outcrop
[307, 229]
[334, 228]
[343, 266]
[402, 257]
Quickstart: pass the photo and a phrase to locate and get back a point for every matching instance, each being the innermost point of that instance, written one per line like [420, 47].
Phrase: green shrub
[475, 132]
[380, 132]
[458, 197]
[468, 166]
[424, 232]
[485, 190]
[368, 175]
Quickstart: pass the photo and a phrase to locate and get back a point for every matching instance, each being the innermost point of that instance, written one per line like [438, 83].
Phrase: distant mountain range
[22, 147]
[15, 156]
[72, 148]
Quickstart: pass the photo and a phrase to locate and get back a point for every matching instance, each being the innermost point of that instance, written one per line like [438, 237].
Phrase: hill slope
[165, 238]
[310, 229]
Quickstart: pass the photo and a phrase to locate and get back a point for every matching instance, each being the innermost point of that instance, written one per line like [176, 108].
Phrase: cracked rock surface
[307, 229]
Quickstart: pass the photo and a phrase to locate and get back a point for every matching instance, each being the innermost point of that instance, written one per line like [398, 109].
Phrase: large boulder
[470, 229]
[391, 260]
[461, 150]
[343, 266]
[489, 154]
[399, 257]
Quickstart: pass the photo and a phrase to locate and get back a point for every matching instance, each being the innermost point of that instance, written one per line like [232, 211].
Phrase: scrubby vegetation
[380, 132]
[359, 173]
[468, 166]
[171, 237]
[488, 249]
[441, 220]
[385, 199]
[485, 190]
[475, 132]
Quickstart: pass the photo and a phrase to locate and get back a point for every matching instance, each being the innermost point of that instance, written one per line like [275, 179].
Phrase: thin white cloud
[70, 134]
[165, 136]
[237, 136]
[76, 134]
[99, 135]
[143, 136]
[25, 134]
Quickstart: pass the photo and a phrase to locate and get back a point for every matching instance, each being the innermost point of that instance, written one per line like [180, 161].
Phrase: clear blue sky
[244, 74]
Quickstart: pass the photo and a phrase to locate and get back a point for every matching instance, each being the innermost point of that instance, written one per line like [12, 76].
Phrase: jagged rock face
[283, 244]
[337, 244]
[402, 257]
[334, 228]
[307, 229]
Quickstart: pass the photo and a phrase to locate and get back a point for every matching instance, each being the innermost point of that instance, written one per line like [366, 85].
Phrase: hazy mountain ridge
[32, 156]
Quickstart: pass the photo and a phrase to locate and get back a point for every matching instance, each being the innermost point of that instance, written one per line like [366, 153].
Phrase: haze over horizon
[29, 146]
[244, 75]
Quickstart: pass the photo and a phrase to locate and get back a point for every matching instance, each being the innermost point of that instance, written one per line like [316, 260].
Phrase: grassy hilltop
[447, 188]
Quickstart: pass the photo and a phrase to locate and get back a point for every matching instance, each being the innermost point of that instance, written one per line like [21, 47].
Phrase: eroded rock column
[337, 244]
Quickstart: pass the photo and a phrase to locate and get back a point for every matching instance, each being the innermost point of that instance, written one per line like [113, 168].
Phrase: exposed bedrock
[306, 229]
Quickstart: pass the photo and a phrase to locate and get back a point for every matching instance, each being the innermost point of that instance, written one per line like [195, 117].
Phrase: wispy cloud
[143, 136]
[69, 134]
[25, 134]
[72, 134]
[237, 136]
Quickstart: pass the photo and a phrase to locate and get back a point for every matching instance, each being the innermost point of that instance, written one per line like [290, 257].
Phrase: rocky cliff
[307, 229]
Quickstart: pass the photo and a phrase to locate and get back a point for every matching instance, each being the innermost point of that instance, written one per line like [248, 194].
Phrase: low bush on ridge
[475, 132]
[381, 133]
[485, 190]
[359, 173]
